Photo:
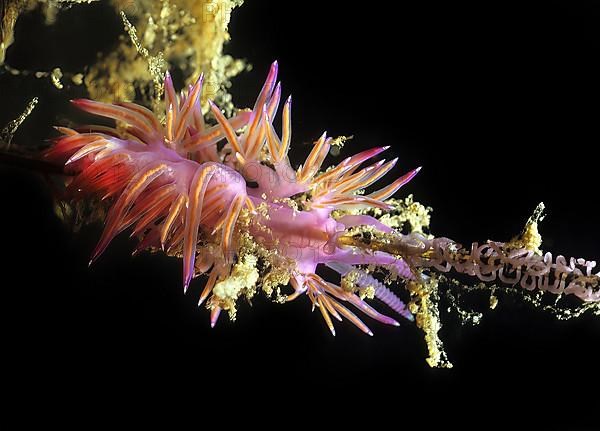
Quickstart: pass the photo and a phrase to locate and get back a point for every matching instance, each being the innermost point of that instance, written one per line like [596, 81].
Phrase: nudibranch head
[225, 198]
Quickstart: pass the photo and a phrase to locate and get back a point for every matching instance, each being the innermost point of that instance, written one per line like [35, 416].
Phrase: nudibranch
[225, 198]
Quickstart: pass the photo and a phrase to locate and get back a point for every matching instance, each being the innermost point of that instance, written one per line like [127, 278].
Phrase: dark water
[498, 102]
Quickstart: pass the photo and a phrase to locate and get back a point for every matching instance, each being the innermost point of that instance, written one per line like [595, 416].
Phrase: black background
[498, 101]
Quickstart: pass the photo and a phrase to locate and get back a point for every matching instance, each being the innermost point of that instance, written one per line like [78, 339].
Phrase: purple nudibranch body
[225, 198]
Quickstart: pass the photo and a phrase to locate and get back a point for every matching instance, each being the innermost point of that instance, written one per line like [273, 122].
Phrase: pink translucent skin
[171, 185]
[309, 237]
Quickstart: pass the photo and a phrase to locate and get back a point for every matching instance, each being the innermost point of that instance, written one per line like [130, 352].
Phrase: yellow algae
[424, 298]
[530, 238]
[407, 211]
[186, 36]
[243, 276]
